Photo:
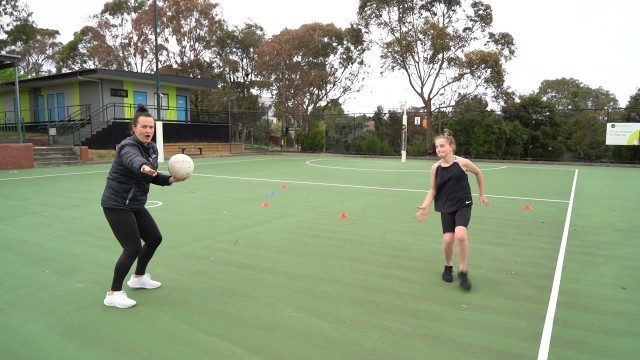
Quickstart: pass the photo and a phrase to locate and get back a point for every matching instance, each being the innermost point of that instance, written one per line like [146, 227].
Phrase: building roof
[8, 61]
[98, 74]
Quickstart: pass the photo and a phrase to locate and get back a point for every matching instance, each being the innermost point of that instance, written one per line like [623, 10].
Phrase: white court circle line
[309, 162]
[155, 204]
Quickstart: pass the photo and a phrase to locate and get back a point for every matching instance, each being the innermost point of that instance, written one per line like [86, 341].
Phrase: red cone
[265, 204]
[527, 207]
[343, 216]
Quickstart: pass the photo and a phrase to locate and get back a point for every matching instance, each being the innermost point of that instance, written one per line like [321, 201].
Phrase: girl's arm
[470, 166]
[423, 210]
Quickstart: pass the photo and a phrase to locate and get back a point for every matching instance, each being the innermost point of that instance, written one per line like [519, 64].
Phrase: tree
[114, 43]
[192, 28]
[36, 47]
[79, 53]
[631, 113]
[569, 93]
[236, 51]
[12, 12]
[444, 47]
[543, 128]
[583, 113]
[310, 67]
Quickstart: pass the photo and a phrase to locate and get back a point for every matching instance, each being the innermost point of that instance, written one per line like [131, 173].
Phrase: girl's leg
[463, 247]
[447, 247]
[448, 226]
[462, 219]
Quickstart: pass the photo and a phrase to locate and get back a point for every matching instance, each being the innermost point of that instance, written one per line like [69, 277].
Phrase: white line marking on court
[53, 175]
[525, 198]
[309, 183]
[359, 186]
[154, 203]
[545, 342]
[233, 161]
[310, 162]
[537, 167]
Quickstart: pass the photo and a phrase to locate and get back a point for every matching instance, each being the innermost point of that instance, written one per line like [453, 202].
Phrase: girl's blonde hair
[448, 136]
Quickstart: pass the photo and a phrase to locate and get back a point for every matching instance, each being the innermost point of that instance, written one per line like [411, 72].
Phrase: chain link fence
[533, 134]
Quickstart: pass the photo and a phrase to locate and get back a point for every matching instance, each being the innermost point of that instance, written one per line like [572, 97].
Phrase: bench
[192, 148]
[202, 148]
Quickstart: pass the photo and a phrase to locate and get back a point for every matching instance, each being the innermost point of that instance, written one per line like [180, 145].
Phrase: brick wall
[82, 152]
[16, 156]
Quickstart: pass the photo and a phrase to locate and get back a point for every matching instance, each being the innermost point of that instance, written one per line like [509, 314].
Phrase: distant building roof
[97, 74]
[8, 61]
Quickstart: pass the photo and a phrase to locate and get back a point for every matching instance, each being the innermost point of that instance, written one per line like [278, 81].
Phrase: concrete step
[55, 156]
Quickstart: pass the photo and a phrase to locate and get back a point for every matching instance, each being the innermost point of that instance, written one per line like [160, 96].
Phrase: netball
[180, 166]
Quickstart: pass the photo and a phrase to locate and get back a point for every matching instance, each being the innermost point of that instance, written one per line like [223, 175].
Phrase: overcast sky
[594, 41]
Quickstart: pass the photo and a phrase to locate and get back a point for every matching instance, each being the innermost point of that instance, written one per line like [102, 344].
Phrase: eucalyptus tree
[237, 54]
[445, 48]
[115, 43]
[36, 47]
[12, 12]
[311, 66]
[583, 113]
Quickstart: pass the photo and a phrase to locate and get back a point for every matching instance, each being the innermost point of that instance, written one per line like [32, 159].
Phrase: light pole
[155, 30]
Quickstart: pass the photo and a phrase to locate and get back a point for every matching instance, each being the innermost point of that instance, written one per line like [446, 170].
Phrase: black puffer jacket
[127, 187]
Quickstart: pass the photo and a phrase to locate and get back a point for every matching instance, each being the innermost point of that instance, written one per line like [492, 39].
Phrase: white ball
[180, 166]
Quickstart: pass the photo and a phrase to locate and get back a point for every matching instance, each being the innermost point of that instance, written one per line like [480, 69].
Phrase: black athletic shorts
[461, 217]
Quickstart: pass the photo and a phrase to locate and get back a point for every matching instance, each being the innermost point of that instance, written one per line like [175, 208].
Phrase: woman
[123, 203]
[452, 194]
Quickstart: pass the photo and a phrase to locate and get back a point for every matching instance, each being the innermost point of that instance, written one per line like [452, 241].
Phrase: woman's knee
[154, 241]
[131, 252]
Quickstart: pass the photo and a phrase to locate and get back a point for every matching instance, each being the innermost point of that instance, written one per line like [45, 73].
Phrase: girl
[452, 194]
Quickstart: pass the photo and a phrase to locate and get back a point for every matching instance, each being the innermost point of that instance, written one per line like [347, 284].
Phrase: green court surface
[296, 280]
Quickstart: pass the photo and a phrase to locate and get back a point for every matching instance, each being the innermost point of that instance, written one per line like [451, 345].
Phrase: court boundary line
[545, 341]
[53, 175]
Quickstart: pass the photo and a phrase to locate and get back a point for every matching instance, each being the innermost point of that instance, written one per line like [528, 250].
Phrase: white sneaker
[119, 299]
[143, 282]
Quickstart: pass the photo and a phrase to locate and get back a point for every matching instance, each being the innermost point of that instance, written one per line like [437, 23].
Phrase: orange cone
[343, 216]
[527, 207]
[265, 204]
[283, 186]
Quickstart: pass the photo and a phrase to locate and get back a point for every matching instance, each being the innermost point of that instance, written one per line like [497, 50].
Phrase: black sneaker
[447, 274]
[465, 284]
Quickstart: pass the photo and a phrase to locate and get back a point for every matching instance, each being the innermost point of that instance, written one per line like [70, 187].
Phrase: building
[74, 107]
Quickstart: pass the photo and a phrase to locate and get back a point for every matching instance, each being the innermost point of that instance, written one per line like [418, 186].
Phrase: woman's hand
[173, 180]
[146, 169]
[484, 200]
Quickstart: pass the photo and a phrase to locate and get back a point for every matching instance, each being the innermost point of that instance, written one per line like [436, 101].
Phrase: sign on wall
[119, 92]
[623, 134]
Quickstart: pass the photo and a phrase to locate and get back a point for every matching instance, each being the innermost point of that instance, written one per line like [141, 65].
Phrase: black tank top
[452, 188]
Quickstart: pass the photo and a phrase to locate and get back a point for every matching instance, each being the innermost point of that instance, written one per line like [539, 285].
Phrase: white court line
[525, 198]
[543, 351]
[308, 183]
[154, 203]
[359, 186]
[232, 161]
[53, 175]
[309, 162]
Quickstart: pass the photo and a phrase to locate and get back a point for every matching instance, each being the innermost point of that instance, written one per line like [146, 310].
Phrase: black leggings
[129, 227]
